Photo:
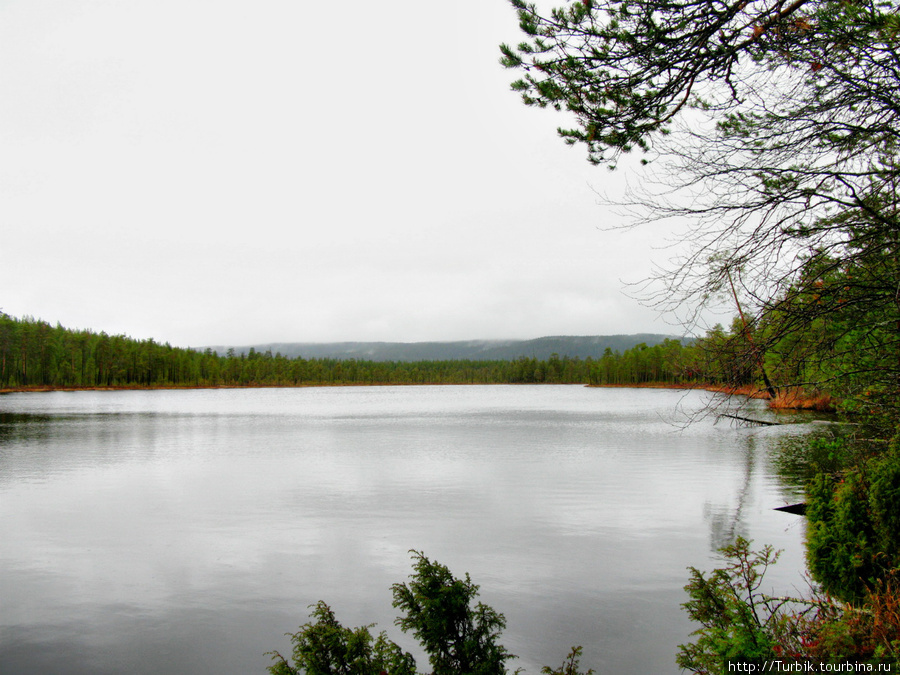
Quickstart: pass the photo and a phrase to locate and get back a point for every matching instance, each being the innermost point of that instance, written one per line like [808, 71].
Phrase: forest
[37, 355]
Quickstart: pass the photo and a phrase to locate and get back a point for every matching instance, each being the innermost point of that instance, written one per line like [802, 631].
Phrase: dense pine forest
[35, 354]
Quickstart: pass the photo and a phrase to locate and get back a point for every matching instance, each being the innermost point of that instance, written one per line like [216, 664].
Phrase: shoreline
[39, 389]
[789, 399]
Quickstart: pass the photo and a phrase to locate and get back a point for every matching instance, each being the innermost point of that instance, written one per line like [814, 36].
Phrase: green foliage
[569, 666]
[737, 620]
[835, 328]
[854, 527]
[801, 458]
[625, 70]
[459, 634]
[862, 633]
[325, 647]
[438, 610]
[35, 354]
[786, 169]
[669, 362]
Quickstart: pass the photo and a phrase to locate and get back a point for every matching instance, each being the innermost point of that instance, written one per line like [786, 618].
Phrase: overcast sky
[224, 172]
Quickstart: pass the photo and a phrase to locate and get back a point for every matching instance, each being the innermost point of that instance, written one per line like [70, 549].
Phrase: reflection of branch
[725, 527]
[742, 494]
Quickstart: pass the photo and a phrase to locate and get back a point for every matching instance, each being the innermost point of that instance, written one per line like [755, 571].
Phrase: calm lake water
[187, 531]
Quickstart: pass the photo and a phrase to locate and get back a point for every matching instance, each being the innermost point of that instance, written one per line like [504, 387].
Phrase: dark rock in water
[796, 509]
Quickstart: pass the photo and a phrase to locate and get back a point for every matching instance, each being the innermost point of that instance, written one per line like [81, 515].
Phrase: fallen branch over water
[750, 421]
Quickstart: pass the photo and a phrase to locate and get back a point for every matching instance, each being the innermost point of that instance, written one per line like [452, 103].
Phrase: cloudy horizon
[214, 173]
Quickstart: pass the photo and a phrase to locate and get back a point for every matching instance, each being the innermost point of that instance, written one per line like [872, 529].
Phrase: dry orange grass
[863, 632]
[790, 398]
[797, 399]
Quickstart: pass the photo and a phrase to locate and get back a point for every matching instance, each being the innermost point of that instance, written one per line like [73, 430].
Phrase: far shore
[787, 399]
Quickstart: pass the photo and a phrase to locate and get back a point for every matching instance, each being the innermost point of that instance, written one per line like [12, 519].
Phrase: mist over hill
[474, 350]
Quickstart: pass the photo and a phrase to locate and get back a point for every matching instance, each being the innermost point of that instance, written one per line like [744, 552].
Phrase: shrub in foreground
[459, 634]
[739, 622]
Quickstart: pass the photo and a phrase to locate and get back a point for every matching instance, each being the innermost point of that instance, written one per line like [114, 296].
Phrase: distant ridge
[581, 347]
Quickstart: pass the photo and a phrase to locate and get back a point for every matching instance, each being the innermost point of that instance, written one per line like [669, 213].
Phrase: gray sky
[214, 171]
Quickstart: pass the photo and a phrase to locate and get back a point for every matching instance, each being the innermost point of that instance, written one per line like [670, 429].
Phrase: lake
[187, 531]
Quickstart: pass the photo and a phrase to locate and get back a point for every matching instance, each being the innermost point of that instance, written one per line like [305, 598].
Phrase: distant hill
[505, 350]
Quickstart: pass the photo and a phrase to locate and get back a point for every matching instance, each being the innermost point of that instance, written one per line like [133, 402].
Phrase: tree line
[828, 360]
[36, 354]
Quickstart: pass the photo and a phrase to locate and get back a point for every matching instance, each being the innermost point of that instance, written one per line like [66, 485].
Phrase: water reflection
[15, 426]
[825, 448]
[180, 524]
[727, 523]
